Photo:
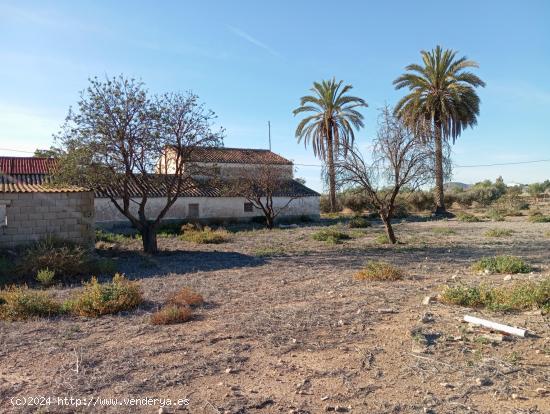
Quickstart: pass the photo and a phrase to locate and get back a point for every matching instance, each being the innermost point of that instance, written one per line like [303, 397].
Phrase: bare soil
[286, 329]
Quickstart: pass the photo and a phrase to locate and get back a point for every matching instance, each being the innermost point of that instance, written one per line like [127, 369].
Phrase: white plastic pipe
[496, 326]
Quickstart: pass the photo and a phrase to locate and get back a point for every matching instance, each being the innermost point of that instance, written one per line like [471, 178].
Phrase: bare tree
[115, 139]
[399, 161]
[260, 185]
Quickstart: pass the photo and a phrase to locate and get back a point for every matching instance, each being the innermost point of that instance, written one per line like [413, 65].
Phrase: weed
[98, 299]
[519, 296]
[118, 238]
[377, 270]
[358, 222]
[495, 215]
[205, 236]
[501, 264]
[499, 232]
[539, 218]
[20, 303]
[467, 217]
[443, 230]
[331, 236]
[45, 277]
[381, 238]
[185, 297]
[170, 315]
[269, 252]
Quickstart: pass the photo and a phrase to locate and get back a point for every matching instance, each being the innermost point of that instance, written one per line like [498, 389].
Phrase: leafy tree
[115, 138]
[442, 101]
[329, 126]
[47, 153]
[399, 162]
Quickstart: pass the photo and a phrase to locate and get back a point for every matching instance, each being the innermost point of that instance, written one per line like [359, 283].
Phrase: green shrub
[382, 238]
[169, 315]
[331, 236]
[358, 222]
[377, 270]
[501, 264]
[117, 238]
[45, 277]
[269, 252]
[467, 217]
[102, 266]
[539, 218]
[206, 236]
[517, 297]
[19, 303]
[98, 299]
[65, 259]
[499, 233]
[443, 230]
[7, 269]
[495, 214]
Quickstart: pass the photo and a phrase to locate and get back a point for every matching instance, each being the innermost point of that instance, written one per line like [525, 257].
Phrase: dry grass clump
[171, 314]
[205, 236]
[501, 264]
[467, 218]
[178, 307]
[98, 299]
[443, 230]
[185, 296]
[519, 296]
[499, 232]
[538, 217]
[20, 303]
[378, 270]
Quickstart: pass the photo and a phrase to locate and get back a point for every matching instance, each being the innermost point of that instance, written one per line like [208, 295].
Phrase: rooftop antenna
[269, 133]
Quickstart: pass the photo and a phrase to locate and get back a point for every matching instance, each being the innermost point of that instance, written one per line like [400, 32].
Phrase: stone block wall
[34, 216]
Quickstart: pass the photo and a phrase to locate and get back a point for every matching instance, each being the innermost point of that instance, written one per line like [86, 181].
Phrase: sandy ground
[286, 329]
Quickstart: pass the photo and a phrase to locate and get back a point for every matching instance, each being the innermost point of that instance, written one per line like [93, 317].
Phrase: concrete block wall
[34, 216]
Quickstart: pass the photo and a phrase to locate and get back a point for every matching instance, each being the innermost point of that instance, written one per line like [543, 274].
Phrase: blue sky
[250, 62]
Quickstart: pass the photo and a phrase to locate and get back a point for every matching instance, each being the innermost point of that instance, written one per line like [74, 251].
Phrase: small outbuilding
[32, 209]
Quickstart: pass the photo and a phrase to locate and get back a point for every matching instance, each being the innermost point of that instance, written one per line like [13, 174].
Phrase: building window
[248, 208]
[193, 211]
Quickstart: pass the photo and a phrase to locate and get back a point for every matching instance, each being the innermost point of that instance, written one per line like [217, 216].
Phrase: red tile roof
[33, 183]
[236, 156]
[26, 165]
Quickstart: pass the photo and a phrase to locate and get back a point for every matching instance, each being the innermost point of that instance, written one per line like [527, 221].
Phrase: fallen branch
[496, 326]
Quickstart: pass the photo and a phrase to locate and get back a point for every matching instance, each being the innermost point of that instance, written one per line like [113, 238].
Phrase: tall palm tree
[442, 100]
[330, 126]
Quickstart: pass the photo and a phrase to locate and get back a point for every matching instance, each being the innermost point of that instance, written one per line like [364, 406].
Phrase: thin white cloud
[242, 34]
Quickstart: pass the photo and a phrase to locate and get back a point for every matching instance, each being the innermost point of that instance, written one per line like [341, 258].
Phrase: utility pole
[269, 133]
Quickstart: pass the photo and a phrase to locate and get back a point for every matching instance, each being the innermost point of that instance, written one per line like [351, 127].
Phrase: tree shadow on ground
[140, 266]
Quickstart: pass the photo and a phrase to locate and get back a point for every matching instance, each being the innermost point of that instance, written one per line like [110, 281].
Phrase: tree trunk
[331, 173]
[149, 239]
[269, 222]
[389, 229]
[439, 196]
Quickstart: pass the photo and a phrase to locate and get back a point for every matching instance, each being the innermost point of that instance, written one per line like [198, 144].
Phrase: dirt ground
[286, 329]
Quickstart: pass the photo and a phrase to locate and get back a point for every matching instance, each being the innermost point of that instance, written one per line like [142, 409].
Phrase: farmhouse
[196, 202]
[31, 210]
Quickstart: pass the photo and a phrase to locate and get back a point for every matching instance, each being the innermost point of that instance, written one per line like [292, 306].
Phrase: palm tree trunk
[439, 196]
[331, 172]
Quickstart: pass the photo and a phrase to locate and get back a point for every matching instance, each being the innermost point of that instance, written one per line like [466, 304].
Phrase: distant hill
[453, 185]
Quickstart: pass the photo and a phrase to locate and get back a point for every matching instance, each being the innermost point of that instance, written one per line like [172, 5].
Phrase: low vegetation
[45, 277]
[358, 222]
[20, 303]
[443, 230]
[520, 296]
[467, 218]
[498, 232]
[494, 214]
[171, 314]
[381, 238]
[331, 236]
[185, 297]
[98, 299]
[501, 264]
[205, 235]
[538, 217]
[378, 270]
